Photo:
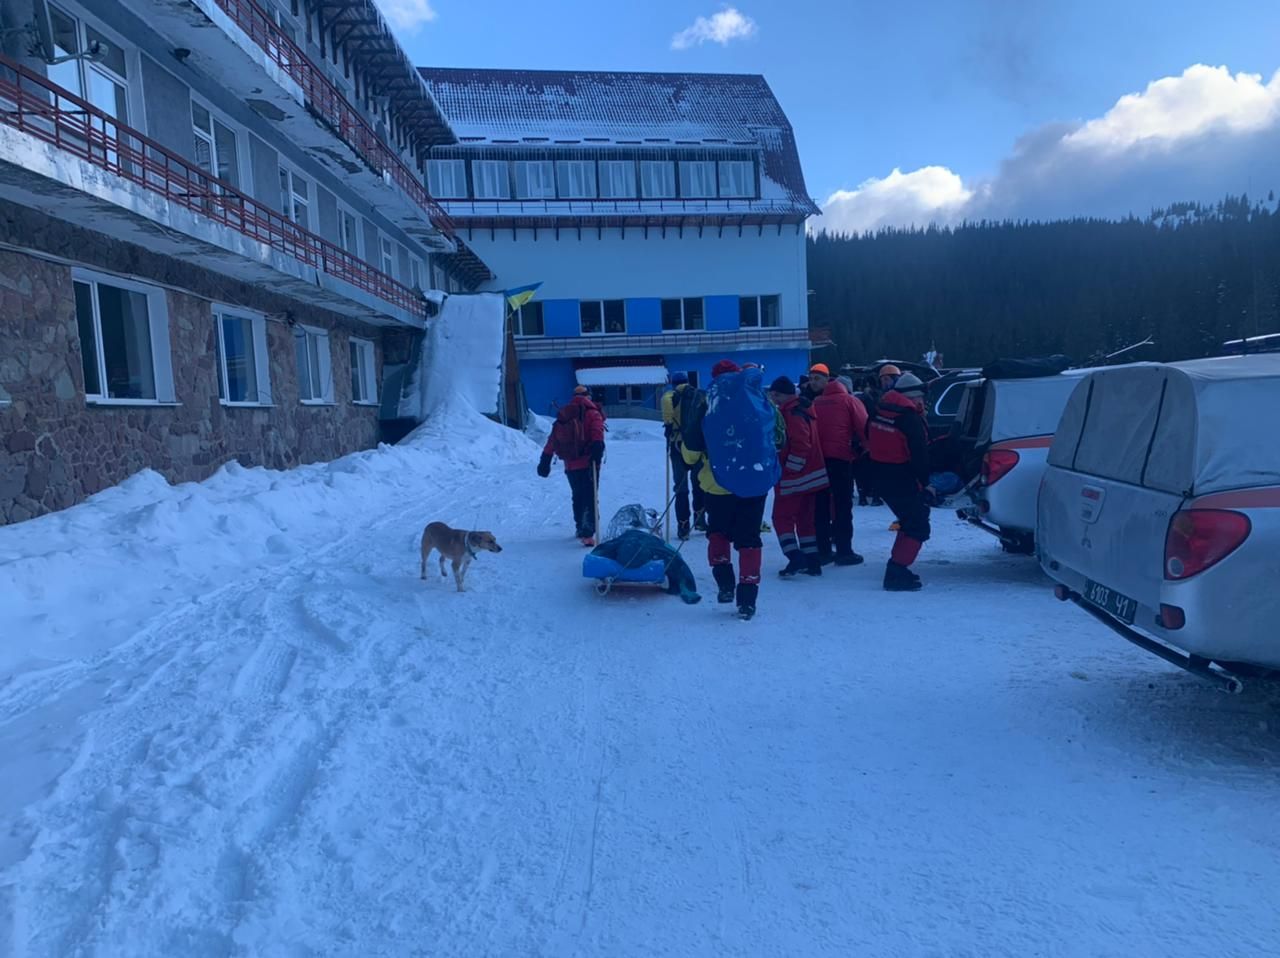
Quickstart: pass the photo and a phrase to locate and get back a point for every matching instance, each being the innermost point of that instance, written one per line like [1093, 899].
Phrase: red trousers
[793, 522]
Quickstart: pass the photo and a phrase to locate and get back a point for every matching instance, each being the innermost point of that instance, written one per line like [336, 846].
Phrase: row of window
[591, 179]
[220, 148]
[124, 346]
[597, 317]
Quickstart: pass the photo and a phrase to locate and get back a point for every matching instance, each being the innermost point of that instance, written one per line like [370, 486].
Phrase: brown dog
[455, 545]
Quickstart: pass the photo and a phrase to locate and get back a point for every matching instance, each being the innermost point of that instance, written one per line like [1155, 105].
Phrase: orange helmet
[820, 368]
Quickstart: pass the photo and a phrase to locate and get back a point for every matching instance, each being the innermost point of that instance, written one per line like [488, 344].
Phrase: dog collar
[467, 542]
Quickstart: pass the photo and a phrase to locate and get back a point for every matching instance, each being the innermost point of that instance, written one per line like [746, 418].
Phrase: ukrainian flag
[521, 294]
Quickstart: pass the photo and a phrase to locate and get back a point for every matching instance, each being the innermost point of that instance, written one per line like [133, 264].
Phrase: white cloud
[729, 24]
[407, 15]
[1196, 136]
[929, 194]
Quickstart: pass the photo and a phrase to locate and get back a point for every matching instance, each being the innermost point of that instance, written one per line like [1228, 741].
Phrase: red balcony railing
[331, 106]
[33, 104]
[533, 346]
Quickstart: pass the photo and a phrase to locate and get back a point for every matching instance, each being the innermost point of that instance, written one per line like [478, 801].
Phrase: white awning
[622, 376]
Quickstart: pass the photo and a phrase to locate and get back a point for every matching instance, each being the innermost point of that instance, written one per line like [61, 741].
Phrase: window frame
[684, 314]
[759, 301]
[158, 334]
[625, 400]
[548, 190]
[324, 364]
[629, 166]
[387, 251]
[582, 304]
[565, 168]
[243, 179]
[368, 364]
[750, 186]
[261, 357]
[435, 184]
[518, 318]
[672, 177]
[687, 166]
[505, 179]
[291, 173]
[344, 212]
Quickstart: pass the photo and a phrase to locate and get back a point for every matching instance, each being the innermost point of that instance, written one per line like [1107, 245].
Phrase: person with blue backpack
[730, 438]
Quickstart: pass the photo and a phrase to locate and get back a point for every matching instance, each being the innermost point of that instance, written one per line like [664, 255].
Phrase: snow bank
[112, 558]
[463, 357]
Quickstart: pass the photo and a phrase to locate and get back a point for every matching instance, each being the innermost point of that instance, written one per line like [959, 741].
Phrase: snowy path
[326, 756]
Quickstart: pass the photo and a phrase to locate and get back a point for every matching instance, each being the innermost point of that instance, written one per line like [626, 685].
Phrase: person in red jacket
[842, 422]
[804, 473]
[577, 437]
[898, 444]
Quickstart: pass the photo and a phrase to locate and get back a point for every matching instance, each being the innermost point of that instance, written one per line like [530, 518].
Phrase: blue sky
[872, 86]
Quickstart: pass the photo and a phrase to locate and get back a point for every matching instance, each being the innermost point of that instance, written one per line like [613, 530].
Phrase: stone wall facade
[56, 449]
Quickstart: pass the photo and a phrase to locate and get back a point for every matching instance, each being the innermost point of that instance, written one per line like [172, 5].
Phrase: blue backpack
[738, 430]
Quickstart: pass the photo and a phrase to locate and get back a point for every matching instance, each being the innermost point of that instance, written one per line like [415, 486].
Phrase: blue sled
[610, 570]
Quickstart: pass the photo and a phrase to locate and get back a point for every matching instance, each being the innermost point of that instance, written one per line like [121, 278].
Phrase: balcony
[538, 347]
[677, 214]
[248, 37]
[65, 156]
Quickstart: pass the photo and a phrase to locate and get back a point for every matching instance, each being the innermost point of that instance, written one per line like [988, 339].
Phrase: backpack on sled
[739, 432]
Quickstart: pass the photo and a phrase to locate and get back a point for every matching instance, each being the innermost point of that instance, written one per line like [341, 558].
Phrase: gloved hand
[597, 451]
[544, 466]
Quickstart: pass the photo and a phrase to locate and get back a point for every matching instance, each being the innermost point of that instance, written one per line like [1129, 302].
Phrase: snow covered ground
[234, 721]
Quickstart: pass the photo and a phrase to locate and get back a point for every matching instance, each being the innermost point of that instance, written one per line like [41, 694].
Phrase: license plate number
[1110, 601]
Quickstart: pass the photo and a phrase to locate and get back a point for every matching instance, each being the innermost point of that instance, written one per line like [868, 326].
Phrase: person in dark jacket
[804, 474]
[682, 474]
[582, 459]
[898, 446]
[842, 428]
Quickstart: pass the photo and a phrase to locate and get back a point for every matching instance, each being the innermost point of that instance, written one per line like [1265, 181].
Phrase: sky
[924, 111]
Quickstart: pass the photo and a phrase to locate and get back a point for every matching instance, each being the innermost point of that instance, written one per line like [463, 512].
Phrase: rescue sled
[607, 571]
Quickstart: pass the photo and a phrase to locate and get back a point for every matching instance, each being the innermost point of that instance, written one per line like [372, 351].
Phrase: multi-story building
[214, 229]
[664, 215]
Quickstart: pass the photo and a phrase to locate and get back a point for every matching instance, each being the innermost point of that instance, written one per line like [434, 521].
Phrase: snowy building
[214, 230]
[664, 215]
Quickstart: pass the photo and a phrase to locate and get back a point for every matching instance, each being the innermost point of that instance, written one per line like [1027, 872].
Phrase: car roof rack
[1266, 343]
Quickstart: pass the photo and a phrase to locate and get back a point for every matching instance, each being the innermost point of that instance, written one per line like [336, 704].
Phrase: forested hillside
[1190, 276]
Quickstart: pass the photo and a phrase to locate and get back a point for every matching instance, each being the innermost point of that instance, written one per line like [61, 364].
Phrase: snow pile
[462, 356]
[143, 543]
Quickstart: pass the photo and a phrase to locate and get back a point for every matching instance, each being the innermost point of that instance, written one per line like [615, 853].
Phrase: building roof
[583, 108]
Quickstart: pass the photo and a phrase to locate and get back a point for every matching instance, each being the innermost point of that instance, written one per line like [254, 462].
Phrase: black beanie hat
[783, 385]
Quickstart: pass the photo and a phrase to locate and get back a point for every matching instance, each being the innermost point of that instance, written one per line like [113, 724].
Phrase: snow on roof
[622, 109]
[622, 375]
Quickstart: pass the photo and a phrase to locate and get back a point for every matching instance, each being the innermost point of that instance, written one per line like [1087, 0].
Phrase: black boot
[682, 529]
[723, 574]
[795, 565]
[813, 564]
[747, 593]
[848, 558]
[700, 520]
[898, 578]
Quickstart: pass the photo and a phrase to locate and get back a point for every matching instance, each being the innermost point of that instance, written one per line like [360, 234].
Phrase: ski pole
[666, 522]
[595, 489]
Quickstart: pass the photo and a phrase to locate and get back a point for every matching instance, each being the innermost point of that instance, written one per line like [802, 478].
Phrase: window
[577, 179]
[349, 231]
[535, 180]
[103, 81]
[364, 378]
[697, 178]
[617, 179]
[948, 403]
[388, 255]
[437, 276]
[415, 273]
[447, 179]
[615, 316]
[243, 367]
[490, 178]
[591, 317]
[682, 314]
[315, 374]
[295, 197]
[528, 320]
[657, 179]
[215, 145]
[630, 395]
[757, 311]
[124, 339]
[737, 178]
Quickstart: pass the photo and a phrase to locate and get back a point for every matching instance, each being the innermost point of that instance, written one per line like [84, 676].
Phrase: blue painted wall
[549, 382]
[561, 317]
[644, 317]
[722, 313]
